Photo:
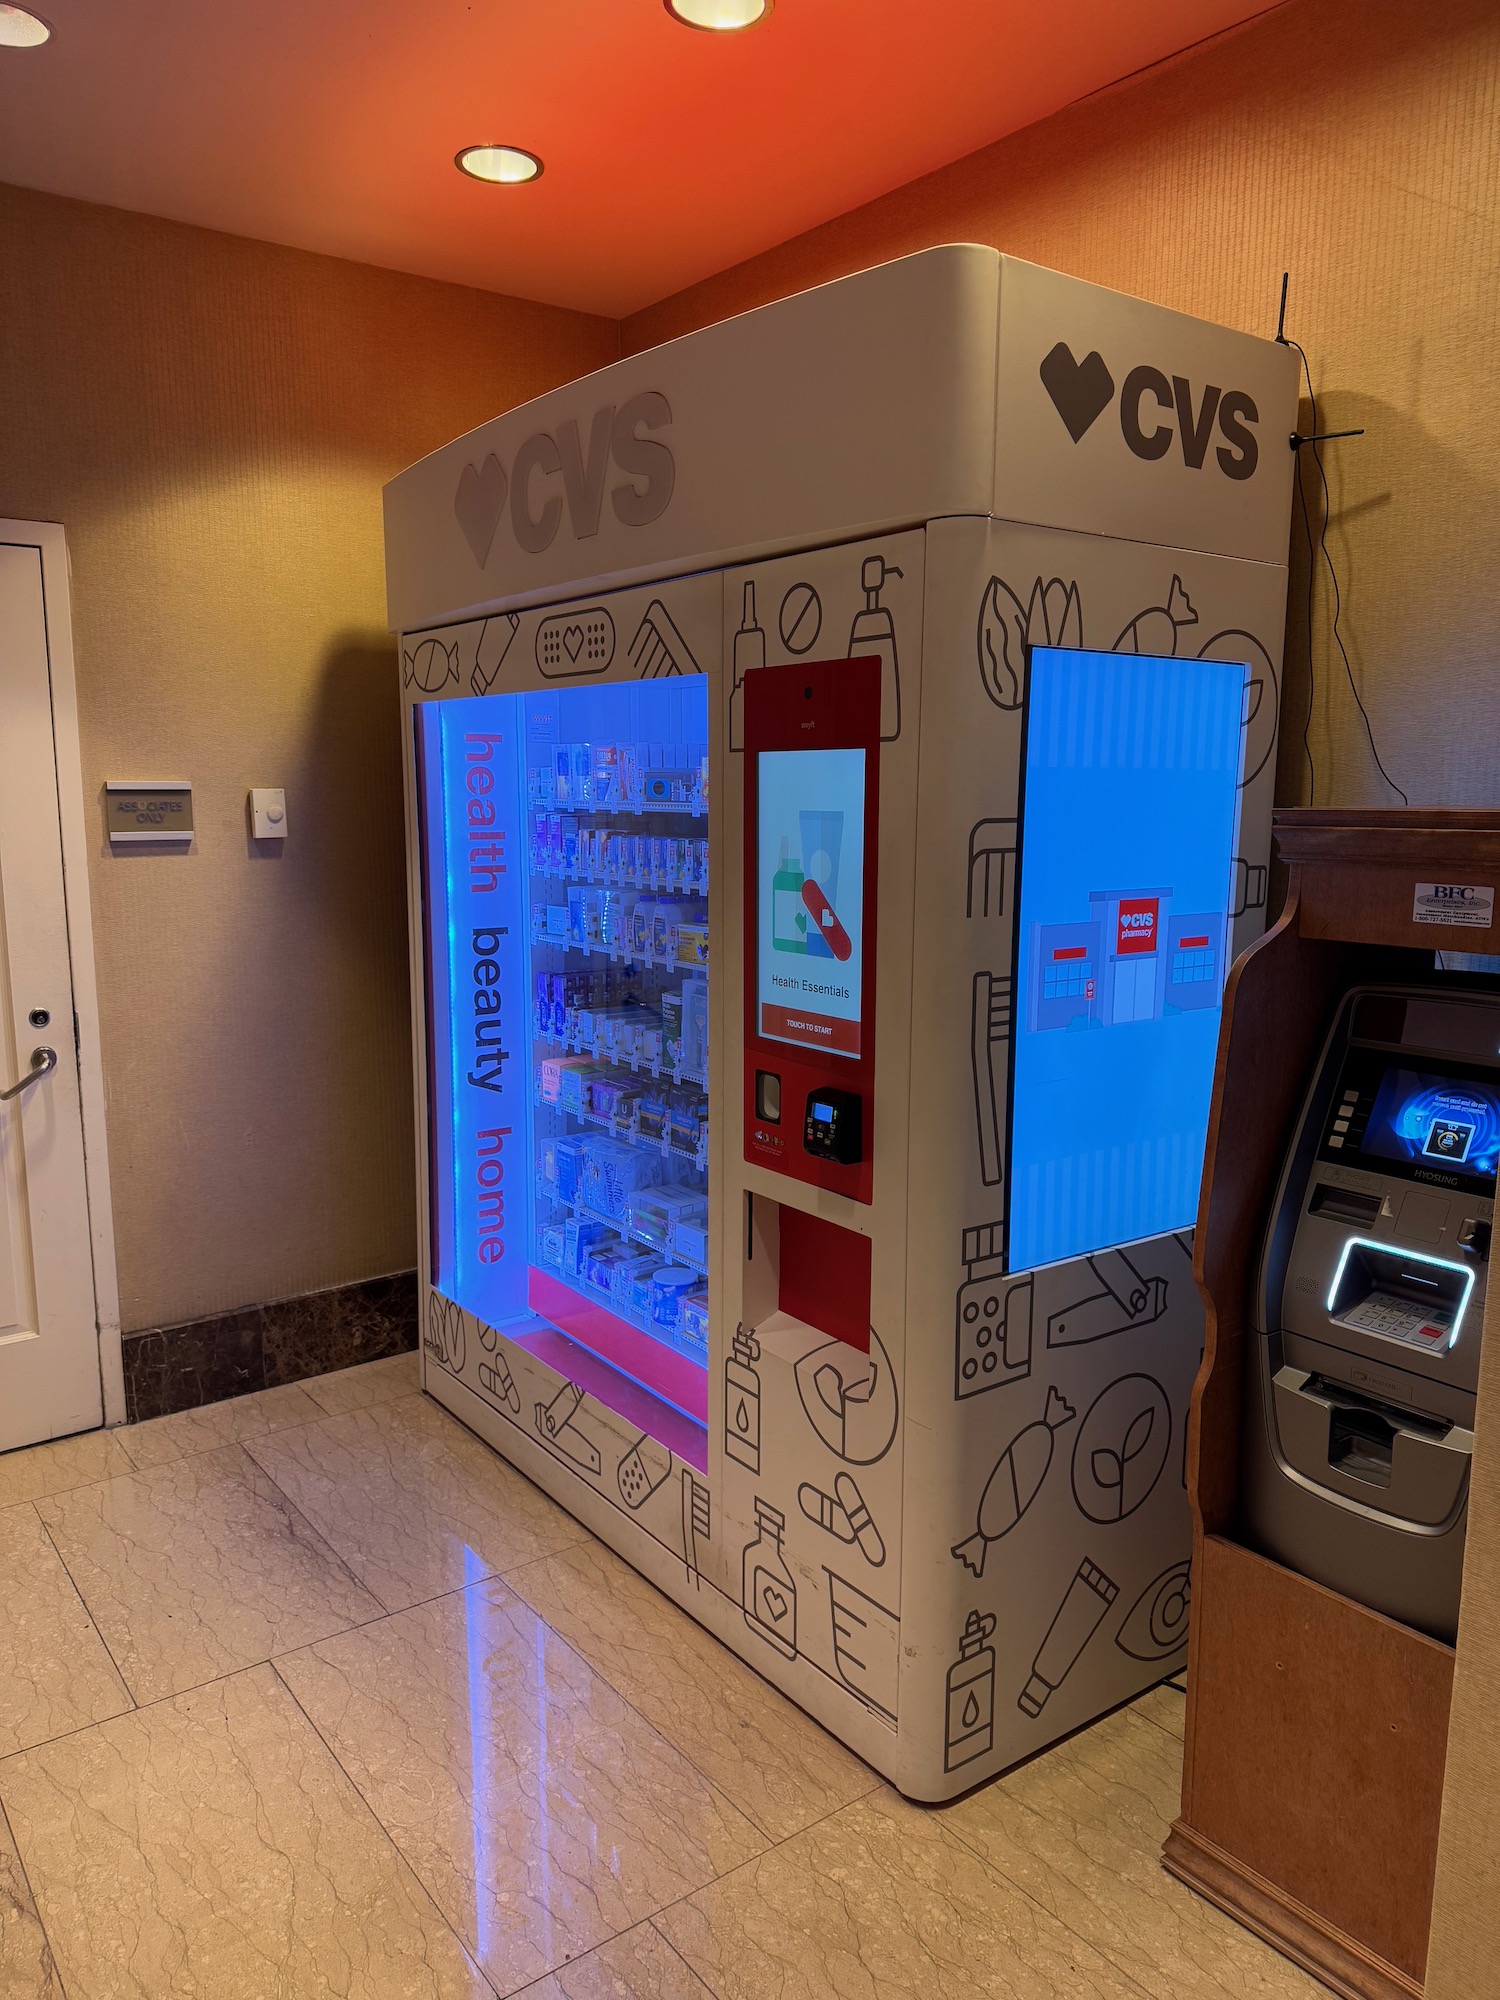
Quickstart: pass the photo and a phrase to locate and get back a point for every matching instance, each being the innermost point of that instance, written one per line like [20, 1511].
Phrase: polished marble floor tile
[55, 1674]
[1080, 1829]
[540, 1810]
[1166, 1706]
[638, 1965]
[229, 1422]
[881, 1902]
[211, 1846]
[777, 1765]
[27, 1971]
[199, 1567]
[55, 1468]
[413, 1502]
[371, 1382]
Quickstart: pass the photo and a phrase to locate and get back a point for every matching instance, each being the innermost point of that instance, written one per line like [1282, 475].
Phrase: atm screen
[810, 809]
[1132, 771]
[1434, 1127]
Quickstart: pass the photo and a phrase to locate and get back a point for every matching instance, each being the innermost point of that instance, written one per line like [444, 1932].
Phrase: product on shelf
[666, 1292]
[654, 1212]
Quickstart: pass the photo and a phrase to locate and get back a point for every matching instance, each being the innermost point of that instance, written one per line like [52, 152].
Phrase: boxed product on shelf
[582, 1236]
[550, 1241]
[656, 1211]
[583, 914]
[671, 1029]
[695, 1025]
[632, 1271]
[654, 1114]
[692, 1317]
[612, 1171]
[692, 944]
[554, 1069]
[689, 1118]
[690, 1241]
[568, 1155]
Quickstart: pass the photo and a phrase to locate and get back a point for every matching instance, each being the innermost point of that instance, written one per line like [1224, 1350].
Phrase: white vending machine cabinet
[841, 754]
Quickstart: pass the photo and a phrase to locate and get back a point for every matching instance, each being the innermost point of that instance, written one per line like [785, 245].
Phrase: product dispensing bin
[841, 747]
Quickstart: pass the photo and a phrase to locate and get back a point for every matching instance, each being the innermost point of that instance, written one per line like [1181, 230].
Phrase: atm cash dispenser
[1359, 1411]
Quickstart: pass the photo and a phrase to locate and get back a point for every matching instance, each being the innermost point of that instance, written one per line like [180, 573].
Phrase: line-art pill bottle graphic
[742, 1402]
[769, 1592]
[970, 1730]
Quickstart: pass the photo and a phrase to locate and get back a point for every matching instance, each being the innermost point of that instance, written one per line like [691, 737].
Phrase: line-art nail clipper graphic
[1127, 1300]
[843, 1513]
[554, 1422]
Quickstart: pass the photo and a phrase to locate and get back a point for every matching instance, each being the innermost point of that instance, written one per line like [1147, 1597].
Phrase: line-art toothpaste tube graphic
[1074, 1623]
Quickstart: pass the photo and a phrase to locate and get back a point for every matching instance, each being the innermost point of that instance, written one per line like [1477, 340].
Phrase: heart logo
[773, 1602]
[477, 505]
[1080, 390]
[573, 640]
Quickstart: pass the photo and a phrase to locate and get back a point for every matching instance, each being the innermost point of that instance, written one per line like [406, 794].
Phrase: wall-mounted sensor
[268, 813]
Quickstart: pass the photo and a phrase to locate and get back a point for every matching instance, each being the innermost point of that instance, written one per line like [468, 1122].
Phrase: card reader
[834, 1126]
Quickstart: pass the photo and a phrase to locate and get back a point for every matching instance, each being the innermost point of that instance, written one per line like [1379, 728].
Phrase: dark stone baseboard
[171, 1368]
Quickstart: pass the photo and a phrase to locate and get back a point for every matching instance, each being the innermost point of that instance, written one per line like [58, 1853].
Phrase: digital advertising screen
[810, 875]
[1445, 1125]
[1130, 817]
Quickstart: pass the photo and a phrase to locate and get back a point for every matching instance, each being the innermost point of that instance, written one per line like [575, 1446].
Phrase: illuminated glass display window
[565, 868]
[1130, 814]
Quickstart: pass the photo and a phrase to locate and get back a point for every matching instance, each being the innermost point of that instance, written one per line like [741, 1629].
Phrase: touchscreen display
[1445, 1123]
[1132, 770]
[811, 893]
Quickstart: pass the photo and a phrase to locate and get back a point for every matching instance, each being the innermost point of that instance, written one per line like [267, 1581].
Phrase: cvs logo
[1135, 925]
[1155, 411]
[555, 472]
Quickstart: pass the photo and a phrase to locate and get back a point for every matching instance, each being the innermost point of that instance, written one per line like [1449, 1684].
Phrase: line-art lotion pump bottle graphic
[970, 1730]
[749, 653]
[769, 1593]
[742, 1402]
[873, 631]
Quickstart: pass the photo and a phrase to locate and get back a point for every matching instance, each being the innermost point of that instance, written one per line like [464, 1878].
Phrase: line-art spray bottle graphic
[749, 653]
[970, 1728]
[873, 631]
[742, 1402]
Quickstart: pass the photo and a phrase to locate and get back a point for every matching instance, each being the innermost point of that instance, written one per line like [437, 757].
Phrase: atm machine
[841, 749]
[1359, 1408]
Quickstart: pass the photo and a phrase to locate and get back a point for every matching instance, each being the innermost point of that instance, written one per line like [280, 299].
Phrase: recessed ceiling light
[20, 30]
[506, 165]
[722, 16]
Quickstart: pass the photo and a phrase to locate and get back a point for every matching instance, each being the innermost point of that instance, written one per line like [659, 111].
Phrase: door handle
[41, 1061]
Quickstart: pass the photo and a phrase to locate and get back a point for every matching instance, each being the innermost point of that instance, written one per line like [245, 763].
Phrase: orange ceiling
[332, 124]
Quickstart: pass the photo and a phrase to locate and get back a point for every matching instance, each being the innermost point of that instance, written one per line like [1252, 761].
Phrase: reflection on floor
[309, 1693]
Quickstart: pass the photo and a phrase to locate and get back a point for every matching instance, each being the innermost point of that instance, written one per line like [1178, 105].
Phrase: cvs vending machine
[840, 754]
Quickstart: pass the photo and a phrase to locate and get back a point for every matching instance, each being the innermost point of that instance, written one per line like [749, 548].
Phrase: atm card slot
[1345, 1204]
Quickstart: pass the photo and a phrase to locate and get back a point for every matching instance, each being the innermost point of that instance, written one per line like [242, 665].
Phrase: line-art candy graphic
[1016, 1481]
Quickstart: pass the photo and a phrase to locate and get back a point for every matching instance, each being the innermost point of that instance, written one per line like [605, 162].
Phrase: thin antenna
[1281, 316]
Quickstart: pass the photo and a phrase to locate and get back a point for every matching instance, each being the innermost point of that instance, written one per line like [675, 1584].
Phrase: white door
[49, 1338]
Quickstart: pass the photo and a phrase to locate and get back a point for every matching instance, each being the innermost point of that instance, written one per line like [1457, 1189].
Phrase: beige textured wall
[1358, 143]
[212, 419]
